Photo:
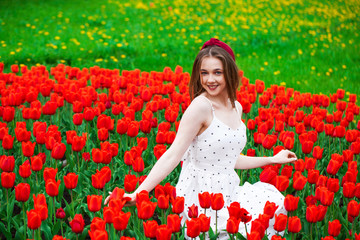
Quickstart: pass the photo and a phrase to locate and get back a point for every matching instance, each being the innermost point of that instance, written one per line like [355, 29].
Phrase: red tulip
[49, 173]
[22, 192]
[146, 209]
[353, 208]
[8, 142]
[270, 208]
[310, 163]
[98, 180]
[257, 226]
[204, 222]
[25, 169]
[174, 222]
[232, 225]
[269, 141]
[193, 227]
[34, 219]
[8, 114]
[299, 182]
[313, 176]
[77, 107]
[217, 201]
[150, 228]
[178, 205]
[78, 143]
[334, 228]
[268, 175]
[94, 202]
[130, 182]
[77, 224]
[312, 214]
[294, 224]
[333, 184]
[103, 134]
[7, 179]
[349, 189]
[299, 165]
[60, 213]
[52, 187]
[291, 203]
[287, 171]
[98, 234]
[282, 183]
[235, 210]
[71, 180]
[307, 146]
[22, 135]
[58, 151]
[333, 167]
[253, 235]
[193, 211]
[49, 108]
[120, 221]
[138, 164]
[280, 222]
[78, 118]
[109, 212]
[205, 200]
[133, 129]
[97, 155]
[326, 197]
[7, 163]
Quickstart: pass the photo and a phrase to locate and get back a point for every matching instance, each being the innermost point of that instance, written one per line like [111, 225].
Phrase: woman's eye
[218, 73]
[203, 73]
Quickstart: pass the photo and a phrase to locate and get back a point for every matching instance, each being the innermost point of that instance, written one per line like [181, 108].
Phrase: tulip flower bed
[69, 136]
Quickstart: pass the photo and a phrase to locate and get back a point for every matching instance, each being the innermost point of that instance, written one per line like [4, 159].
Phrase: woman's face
[212, 76]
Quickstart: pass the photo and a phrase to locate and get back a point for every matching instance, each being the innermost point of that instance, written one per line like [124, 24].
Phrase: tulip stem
[216, 220]
[163, 216]
[77, 156]
[54, 211]
[25, 226]
[72, 202]
[62, 233]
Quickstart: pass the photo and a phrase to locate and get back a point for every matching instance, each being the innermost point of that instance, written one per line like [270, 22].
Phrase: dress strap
[236, 107]
[212, 108]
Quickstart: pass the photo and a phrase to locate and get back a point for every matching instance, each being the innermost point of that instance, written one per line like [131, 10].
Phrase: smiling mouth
[212, 87]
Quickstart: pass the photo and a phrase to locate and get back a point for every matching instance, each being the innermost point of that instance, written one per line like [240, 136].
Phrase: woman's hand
[129, 203]
[285, 156]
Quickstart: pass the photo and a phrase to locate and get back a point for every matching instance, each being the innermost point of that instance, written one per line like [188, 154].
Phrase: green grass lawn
[311, 47]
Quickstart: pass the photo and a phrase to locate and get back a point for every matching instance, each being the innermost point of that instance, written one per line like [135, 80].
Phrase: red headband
[217, 42]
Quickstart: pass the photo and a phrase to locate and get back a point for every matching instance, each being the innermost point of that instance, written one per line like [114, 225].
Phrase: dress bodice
[218, 147]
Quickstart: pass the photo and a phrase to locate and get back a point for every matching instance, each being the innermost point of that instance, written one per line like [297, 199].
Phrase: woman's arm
[193, 119]
[246, 162]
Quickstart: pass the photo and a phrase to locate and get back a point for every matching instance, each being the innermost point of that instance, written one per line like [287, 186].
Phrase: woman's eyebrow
[216, 69]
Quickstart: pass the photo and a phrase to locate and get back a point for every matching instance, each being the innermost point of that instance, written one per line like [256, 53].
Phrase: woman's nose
[211, 78]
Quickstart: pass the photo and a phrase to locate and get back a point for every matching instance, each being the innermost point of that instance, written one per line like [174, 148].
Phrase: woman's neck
[222, 100]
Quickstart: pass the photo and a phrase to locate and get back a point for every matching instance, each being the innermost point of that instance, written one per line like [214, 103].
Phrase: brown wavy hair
[230, 72]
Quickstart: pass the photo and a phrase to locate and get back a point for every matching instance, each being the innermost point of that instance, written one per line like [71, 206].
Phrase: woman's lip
[212, 86]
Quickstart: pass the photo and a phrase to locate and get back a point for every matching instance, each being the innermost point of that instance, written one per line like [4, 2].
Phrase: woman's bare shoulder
[201, 105]
[238, 106]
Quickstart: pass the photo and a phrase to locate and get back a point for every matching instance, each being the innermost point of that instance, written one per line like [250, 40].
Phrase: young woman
[210, 138]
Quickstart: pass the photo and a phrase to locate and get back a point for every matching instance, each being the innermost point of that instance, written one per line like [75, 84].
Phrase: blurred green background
[311, 46]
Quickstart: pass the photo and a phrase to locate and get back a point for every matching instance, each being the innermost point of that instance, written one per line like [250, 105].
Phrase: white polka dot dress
[208, 166]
